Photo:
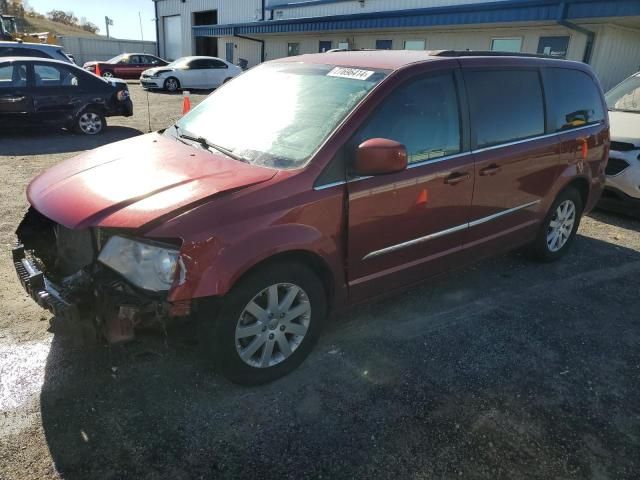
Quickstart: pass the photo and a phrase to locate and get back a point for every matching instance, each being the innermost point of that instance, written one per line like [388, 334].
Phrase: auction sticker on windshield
[353, 73]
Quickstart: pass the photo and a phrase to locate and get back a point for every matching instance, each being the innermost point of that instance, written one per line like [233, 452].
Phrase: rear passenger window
[422, 115]
[54, 76]
[506, 106]
[574, 99]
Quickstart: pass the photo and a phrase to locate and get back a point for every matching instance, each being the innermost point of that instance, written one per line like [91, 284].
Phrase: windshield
[9, 24]
[179, 63]
[626, 96]
[278, 115]
[117, 59]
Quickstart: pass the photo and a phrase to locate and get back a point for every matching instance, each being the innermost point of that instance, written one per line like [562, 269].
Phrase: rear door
[16, 103]
[56, 93]
[215, 73]
[516, 162]
[409, 225]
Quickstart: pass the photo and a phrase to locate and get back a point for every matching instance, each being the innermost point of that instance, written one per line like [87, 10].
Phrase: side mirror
[380, 156]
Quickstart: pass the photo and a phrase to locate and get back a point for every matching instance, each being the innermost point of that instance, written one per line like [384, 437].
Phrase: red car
[127, 65]
[360, 173]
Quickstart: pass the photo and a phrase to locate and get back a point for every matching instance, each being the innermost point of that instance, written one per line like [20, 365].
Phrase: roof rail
[481, 53]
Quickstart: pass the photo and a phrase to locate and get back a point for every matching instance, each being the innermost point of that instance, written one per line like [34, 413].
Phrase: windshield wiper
[207, 145]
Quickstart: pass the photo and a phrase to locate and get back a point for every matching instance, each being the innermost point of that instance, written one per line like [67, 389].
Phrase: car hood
[133, 182]
[154, 70]
[625, 127]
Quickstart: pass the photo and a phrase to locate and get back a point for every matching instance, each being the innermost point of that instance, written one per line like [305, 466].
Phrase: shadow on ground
[627, 219]
[35, 141]
[507, 369]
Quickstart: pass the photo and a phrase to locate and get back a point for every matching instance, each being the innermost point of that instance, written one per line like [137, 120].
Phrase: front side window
[54, 76]
[506, 45]
[13, 75]
[573, 98]
[626, 96]
[293, 49]
[284, 128]
[422, 115]
[505, 105]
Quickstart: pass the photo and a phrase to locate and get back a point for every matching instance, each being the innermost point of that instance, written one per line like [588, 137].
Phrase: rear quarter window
[505, 106]
[573, 98]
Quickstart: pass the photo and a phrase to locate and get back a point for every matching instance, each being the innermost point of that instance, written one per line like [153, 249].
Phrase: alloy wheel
[273, 325]
[90, 123]
[107, 75]
[172, 85]
[561, 225]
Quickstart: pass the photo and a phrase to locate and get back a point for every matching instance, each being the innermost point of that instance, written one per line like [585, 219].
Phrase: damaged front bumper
[44, 292]
[59, 270]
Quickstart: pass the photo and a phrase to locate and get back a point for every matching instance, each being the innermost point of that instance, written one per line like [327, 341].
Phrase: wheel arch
[581, 184]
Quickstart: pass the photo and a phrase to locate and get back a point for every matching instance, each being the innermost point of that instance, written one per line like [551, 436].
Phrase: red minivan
[311, 183]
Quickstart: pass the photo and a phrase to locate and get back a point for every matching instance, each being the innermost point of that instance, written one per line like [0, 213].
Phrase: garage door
[172, 37]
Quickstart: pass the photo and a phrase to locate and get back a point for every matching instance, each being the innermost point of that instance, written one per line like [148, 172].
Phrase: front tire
[171, 84]
[559, 227]
[268, 323]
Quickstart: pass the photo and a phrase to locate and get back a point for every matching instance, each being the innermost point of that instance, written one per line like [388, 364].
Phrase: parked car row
[359, 173]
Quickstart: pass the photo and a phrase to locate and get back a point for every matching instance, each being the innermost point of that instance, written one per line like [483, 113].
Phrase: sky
[124, 14]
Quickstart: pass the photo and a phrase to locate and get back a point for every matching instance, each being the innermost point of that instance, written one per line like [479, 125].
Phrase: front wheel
[559, 228]
[171, 84]
[268, 324]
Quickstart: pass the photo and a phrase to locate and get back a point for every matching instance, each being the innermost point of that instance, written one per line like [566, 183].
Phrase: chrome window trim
[532, 139]
[448, 231]
[461, 154]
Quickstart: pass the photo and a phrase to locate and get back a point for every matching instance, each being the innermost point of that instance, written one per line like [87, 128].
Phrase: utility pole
[108, 21]
[141, 32]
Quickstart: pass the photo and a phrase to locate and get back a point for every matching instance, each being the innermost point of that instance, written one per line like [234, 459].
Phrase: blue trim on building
[279, 5]
[469, 14]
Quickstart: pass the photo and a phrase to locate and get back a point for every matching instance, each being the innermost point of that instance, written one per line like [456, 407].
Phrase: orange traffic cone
[98, 72]
[186, 102]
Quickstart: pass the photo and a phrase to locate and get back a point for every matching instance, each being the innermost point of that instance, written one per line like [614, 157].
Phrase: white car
[623, 169]
[190, 72]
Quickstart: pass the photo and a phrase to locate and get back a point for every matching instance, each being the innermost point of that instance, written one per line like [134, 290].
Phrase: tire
[107, 74]
[266, 334]
[556, 233]
[172, 84]
[90, 122]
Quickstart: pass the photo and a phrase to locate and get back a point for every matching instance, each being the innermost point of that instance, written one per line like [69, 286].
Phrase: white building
[604, 33]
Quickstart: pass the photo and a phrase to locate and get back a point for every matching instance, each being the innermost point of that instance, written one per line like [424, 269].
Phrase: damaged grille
[57, 250]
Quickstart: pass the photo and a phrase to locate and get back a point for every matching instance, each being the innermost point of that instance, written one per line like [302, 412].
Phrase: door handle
[457, 177]
[492, 169]
[8, 99]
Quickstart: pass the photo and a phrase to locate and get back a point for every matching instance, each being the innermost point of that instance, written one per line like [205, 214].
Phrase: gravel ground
[507, 369]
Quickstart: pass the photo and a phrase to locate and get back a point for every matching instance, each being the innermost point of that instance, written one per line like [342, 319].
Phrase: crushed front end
[92, 279]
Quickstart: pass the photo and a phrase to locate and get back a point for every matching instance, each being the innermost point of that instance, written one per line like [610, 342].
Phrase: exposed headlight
[149, 266]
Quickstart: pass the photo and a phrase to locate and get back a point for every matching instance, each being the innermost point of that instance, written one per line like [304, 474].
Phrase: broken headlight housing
[150, 266]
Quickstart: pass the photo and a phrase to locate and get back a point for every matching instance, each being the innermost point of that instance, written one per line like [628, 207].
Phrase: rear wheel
[90, 122]
[107, 74]
[559, 228]
[171, 84]
[268, 323]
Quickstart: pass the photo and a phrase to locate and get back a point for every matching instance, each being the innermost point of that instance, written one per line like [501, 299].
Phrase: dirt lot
[507, 369]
